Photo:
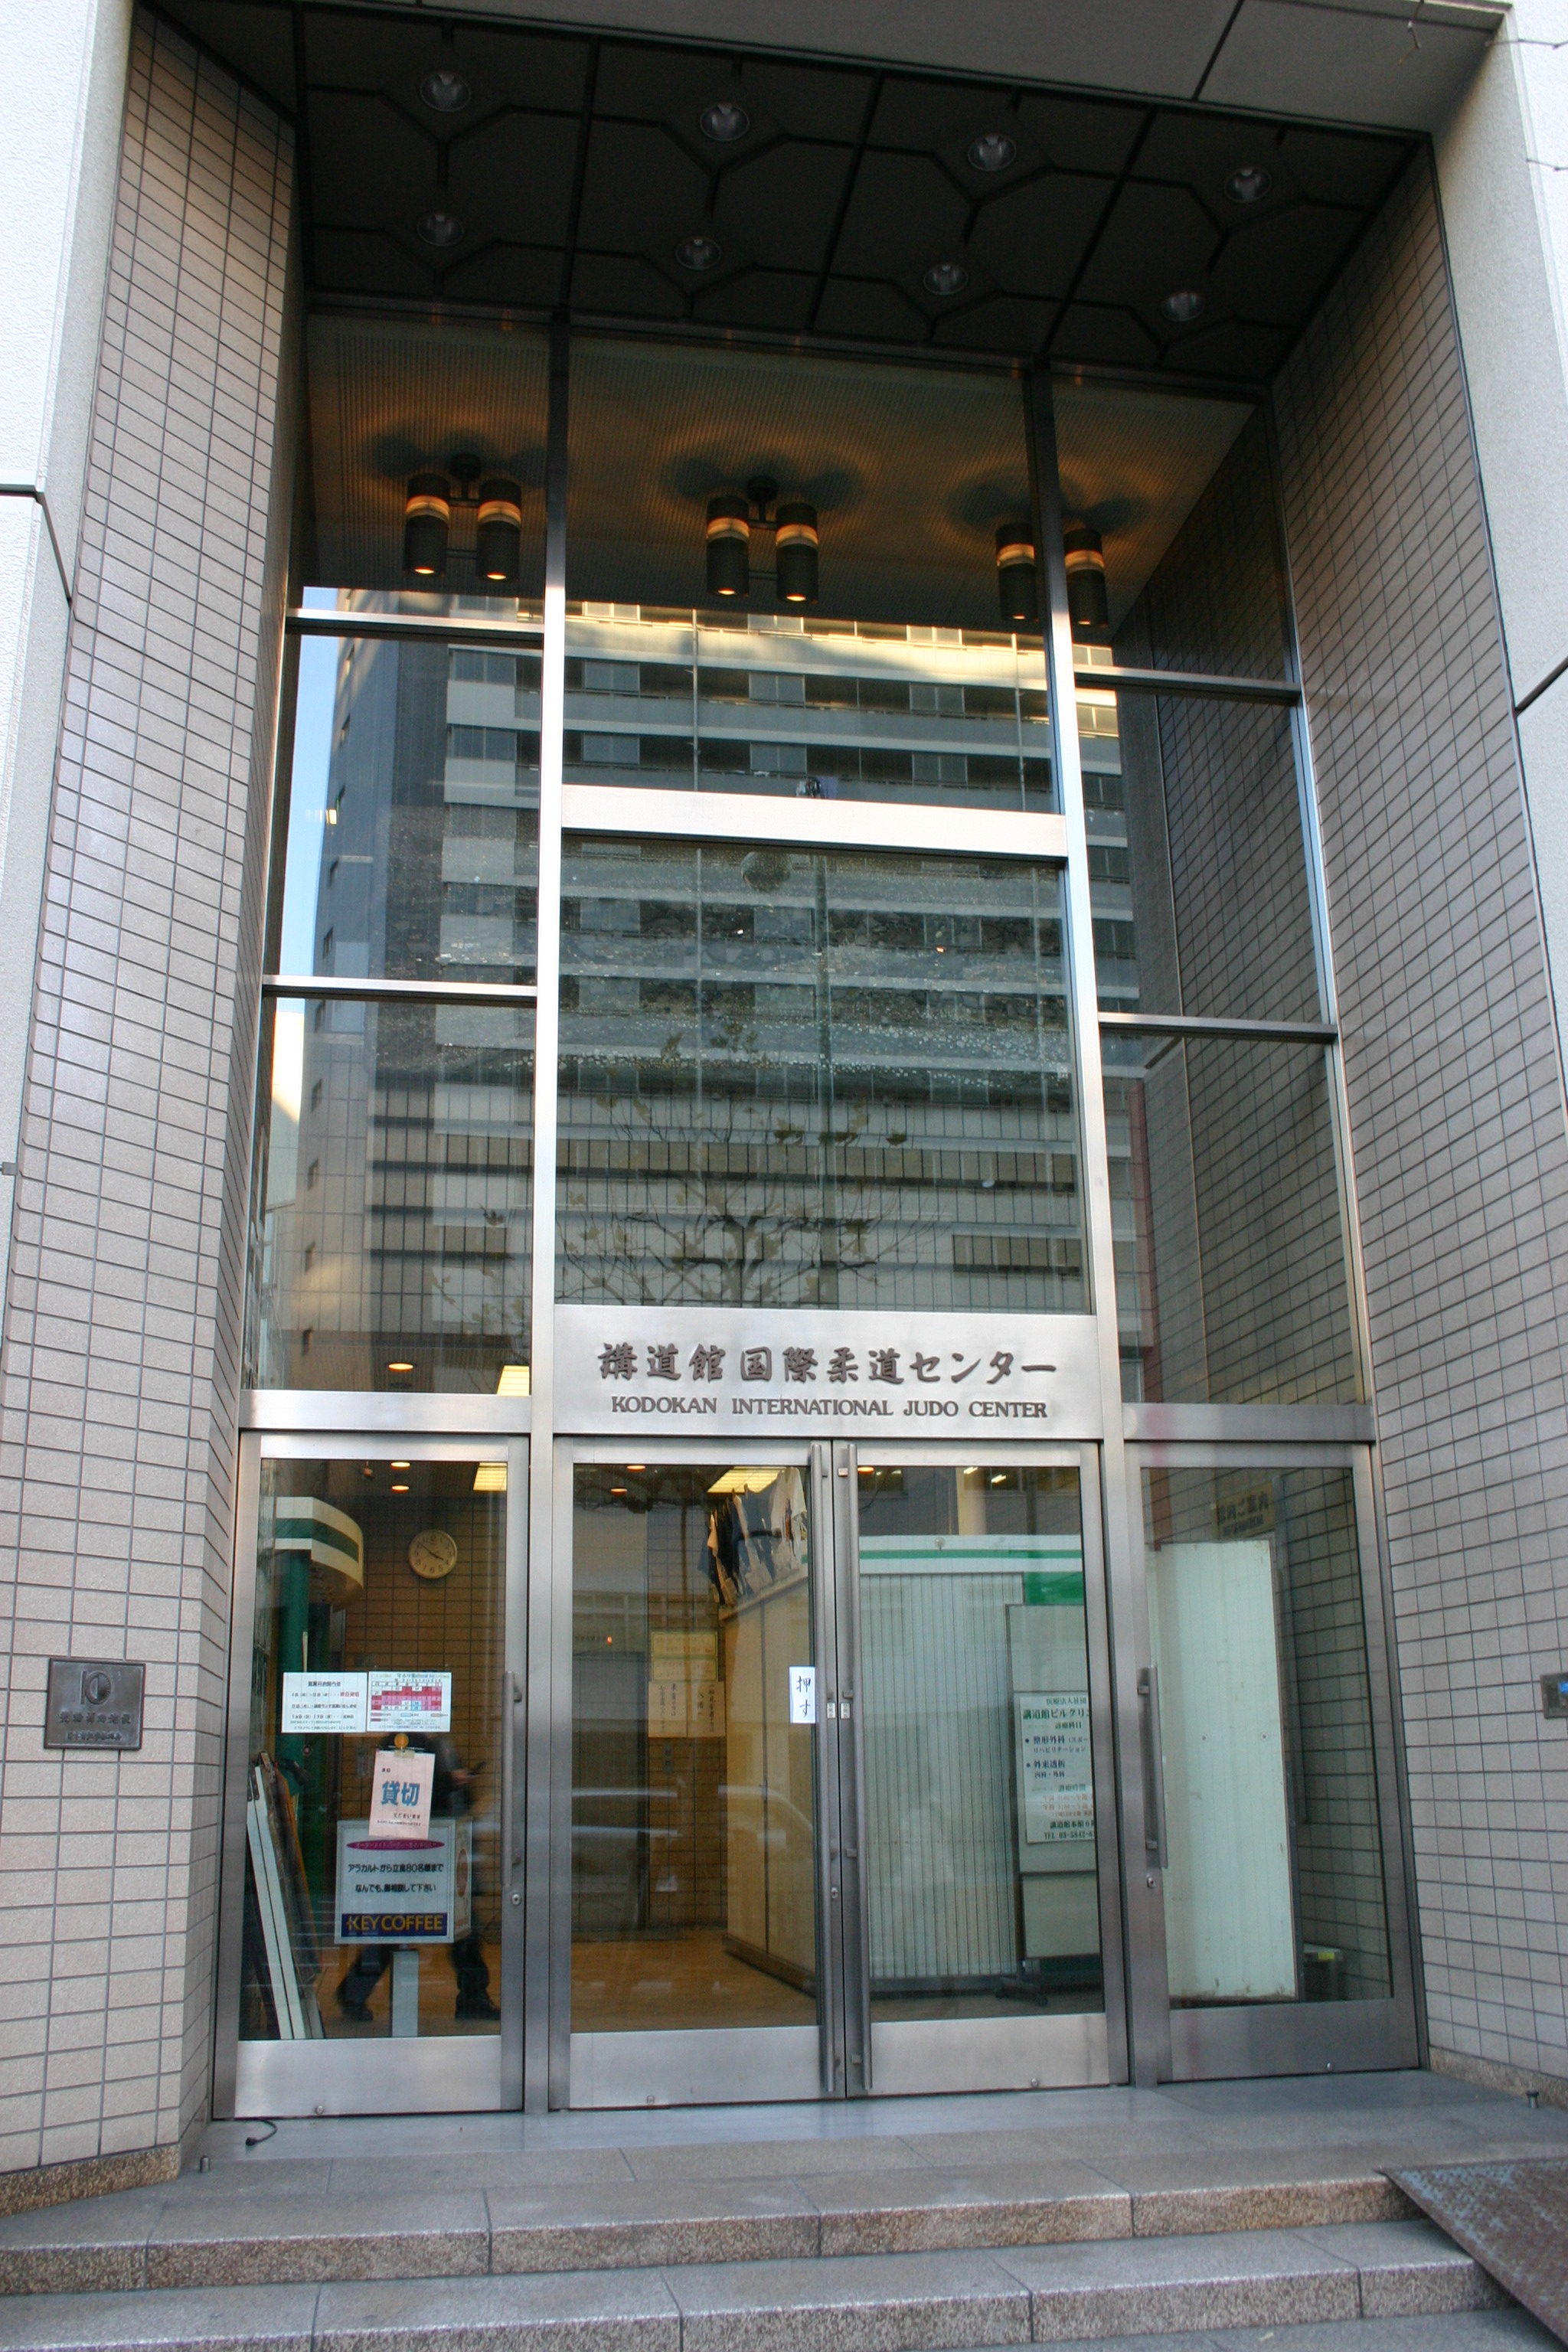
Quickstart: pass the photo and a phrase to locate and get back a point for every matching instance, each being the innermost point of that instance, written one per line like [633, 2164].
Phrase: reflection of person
[450, 1801]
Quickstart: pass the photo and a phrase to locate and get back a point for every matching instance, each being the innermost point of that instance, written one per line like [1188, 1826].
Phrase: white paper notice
[323, 1703]
[400, 1792]
[409, 1700]
[803, 1694]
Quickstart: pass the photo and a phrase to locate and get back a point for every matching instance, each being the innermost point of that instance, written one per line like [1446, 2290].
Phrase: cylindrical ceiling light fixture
[426, 519]
[729, 545]
[1017, 590]
[795, 545]
[1086, 579]
[498, 538]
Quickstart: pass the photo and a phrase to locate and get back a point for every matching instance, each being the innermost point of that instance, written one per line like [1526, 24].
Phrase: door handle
[509, 1698]
[1153, 1746]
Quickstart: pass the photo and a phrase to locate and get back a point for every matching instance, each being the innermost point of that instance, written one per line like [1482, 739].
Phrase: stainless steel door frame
[384, 2077]
[662, 2068]
[1302, 2037]
[844, 1906]
[910, 2057]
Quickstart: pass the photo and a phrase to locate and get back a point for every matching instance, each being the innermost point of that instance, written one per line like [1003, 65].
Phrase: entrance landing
[873, 2227]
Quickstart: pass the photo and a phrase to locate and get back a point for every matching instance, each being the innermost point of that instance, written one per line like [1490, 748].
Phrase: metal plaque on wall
[766, 1373]
[93, 1703]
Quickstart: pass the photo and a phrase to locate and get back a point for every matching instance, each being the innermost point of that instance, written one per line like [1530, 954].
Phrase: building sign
[408, 1699]
[700, 1371]
[93, 1703]
[404, 1891]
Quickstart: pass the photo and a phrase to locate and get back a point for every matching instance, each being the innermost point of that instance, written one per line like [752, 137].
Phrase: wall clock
[433, 1555]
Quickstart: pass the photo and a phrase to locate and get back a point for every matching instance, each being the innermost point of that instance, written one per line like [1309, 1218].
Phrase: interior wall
[124, 1300]
[1457, 1114]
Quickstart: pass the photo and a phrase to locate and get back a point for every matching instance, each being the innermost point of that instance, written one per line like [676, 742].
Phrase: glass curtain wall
[393, 1183]
[785, 577]
[814, 1078]
[798, 1073]
[1232, 1278]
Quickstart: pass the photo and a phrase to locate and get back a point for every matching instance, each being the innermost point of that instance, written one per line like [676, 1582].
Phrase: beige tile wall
[1457, 1111]
[122, 1314]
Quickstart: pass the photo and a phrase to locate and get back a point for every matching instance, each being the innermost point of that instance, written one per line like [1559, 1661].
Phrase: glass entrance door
[371, 1939]
[1268, 1754]
[971, 1669]
[839, 1731]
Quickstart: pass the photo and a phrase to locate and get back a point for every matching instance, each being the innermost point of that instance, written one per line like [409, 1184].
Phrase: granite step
[948, 2301]
[270, 2226]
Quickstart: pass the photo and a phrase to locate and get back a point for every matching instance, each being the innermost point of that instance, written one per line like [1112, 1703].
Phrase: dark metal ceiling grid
[581, 177]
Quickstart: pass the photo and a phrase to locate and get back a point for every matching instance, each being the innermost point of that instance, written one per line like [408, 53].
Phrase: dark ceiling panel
[502, 68]
[352, 261]
[904, 215]
[1271, 264]
[1155, 241]
[513, 179]
[781, 205]
[998, 322]
[1342, 167]
[507, 276]
[1098, 335]
[369, 168]
[1034, 240]
[777, 300]
[871, 310]
[674, 86]
[256, 40]
[946, 119]
[829, 209]
[623, 284]
[1201, 152]
[1081, 134]
[1232, 348]
[806, 102]
[640, 192]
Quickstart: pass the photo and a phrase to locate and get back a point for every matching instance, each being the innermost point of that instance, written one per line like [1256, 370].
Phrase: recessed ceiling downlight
[1182, 306]
[445, 90]
[724, 121]
[439, 229]
[992, 151]
[945, 277]
[699, 253]
[1247, 184]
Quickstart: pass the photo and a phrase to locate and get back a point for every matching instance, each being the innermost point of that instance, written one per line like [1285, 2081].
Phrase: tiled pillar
[123, 1315]
[1457, 1115]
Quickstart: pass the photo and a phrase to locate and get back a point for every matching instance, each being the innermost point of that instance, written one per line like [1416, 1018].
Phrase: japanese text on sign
[1058, 1788]
[400, 1792]
[409, 1700]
